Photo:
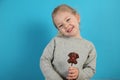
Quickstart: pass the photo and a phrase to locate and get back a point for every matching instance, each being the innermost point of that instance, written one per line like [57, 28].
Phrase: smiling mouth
[70, 29]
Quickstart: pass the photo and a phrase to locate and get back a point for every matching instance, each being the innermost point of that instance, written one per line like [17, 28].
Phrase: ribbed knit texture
[53, 61]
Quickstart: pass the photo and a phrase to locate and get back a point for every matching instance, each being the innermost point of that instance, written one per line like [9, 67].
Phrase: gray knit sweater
[53, 61]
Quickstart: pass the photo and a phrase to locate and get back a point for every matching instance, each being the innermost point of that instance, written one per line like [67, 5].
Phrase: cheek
[75, 22]
[62, 31]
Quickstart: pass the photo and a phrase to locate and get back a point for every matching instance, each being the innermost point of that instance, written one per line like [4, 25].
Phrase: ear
[77, 56]
[69, 54]
[78, 17]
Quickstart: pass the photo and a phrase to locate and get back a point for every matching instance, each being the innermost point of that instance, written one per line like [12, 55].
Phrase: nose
[66, 25]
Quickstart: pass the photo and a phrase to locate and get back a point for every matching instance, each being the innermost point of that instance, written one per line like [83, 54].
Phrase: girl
[54, 60]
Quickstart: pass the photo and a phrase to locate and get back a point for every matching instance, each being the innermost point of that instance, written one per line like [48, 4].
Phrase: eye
[60, 26]
[68, 20]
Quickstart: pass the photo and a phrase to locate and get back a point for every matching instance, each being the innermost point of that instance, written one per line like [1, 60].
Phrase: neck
[78, 35]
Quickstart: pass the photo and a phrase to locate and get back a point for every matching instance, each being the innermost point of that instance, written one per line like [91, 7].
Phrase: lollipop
[72, 58]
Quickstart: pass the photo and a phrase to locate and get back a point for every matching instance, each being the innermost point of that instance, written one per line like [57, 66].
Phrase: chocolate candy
[72, 58]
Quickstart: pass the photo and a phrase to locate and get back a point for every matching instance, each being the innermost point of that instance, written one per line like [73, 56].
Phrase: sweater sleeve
[89, 66]
[46, 63]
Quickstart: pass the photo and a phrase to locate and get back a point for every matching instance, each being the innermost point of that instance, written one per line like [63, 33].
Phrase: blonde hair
[62, 8]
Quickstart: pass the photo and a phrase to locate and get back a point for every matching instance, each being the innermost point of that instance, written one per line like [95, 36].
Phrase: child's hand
[73, 73]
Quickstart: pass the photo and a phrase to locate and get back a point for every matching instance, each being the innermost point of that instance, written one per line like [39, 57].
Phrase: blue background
[26, 27]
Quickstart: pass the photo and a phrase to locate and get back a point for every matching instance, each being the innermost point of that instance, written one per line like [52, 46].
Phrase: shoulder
[59, 38]
[88, 42]
[55, 39]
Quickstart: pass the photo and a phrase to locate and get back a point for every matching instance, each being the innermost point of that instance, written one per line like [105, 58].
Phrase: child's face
[67, 23]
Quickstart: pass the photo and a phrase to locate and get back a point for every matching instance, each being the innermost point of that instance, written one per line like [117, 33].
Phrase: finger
[72, 71]
[71, 77]
[72, 74]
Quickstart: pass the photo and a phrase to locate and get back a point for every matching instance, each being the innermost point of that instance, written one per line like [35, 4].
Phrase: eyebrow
[66, 17]
[64, 20]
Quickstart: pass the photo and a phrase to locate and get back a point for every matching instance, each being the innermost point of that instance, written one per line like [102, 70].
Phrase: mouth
[70, 29]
